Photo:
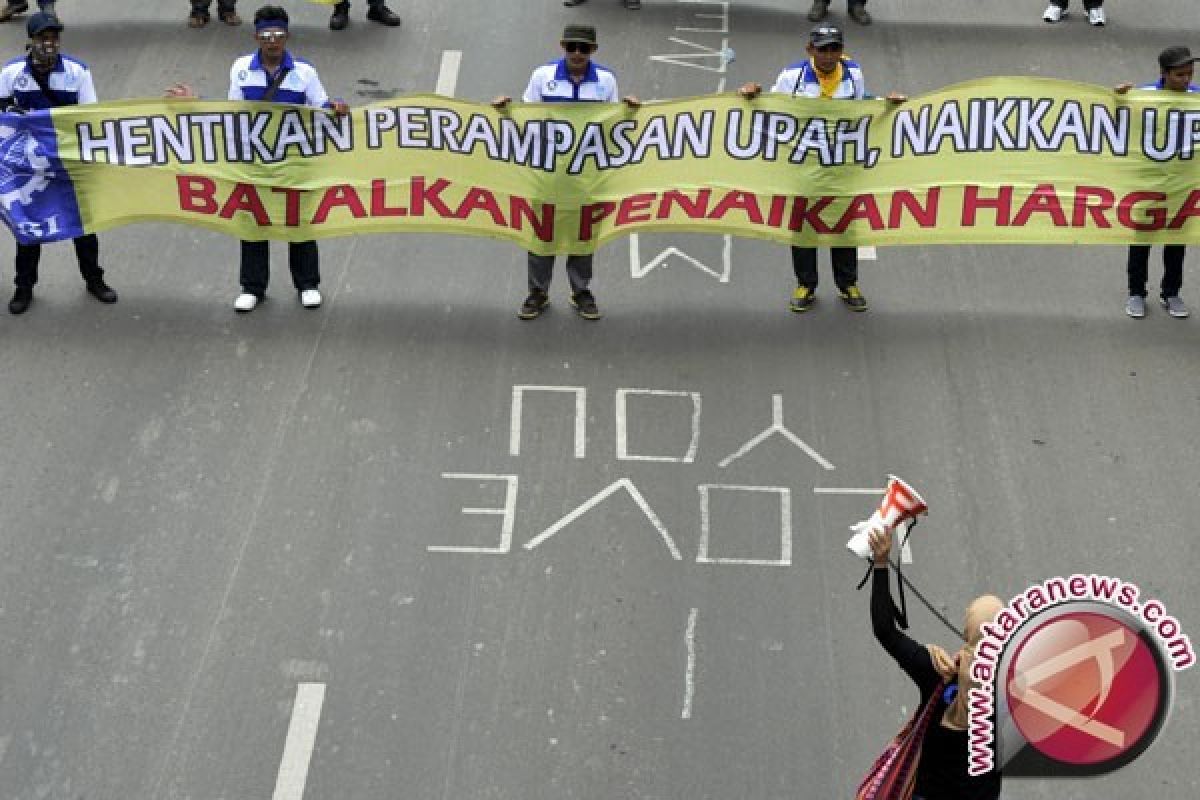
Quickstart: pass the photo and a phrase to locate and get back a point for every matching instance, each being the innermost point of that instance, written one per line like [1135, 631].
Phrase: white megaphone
[900, 503]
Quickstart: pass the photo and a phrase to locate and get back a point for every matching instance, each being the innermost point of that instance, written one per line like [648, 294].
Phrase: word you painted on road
[688, 405]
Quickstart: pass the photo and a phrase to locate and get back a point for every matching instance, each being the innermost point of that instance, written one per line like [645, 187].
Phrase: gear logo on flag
[24, 168]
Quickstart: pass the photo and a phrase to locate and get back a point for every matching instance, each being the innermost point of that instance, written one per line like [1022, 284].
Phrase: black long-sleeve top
[942, 769]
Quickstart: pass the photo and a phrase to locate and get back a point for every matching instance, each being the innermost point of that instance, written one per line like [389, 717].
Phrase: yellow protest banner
[998, 160]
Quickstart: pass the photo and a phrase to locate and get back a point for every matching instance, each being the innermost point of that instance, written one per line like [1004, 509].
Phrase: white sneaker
[1096, 17]
[1054, 13]
[310, 298]
[245, 302]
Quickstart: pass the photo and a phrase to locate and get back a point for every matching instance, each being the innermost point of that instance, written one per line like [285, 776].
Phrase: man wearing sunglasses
[377, 11]
[827, 73]
[575, 78]
[272, 74]
[226, 12]
[43, 80]
[855, 9]
[15, 7]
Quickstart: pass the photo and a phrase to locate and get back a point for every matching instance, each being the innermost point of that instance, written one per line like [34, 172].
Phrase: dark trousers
[87, 250]
[256, 266]
[541, 269]
[222, 5]
[1139, 269]
[1087, 4]
[845, 266]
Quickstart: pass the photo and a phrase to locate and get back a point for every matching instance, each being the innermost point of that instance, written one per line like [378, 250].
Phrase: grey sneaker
[819, 10]
[1135, 306]
[1174, 306]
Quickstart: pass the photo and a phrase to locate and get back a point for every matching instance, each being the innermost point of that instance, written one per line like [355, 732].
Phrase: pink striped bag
[893, 776]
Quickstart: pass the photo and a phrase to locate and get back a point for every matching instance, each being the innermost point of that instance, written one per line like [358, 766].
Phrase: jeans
[256, 266]
[845, 266]
[1138, 269]
[87, 250]
[541, 268]
[222, 5]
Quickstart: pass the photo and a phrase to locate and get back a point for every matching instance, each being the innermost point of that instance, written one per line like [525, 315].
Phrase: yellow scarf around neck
[830, 82]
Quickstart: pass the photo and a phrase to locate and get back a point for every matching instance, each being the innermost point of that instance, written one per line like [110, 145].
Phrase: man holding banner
[1176, 66]
[44, 79]
[830, 74]
[572, 79]
[272, 74]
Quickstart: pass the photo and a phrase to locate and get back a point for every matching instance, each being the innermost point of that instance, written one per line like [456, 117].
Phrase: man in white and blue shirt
[826, 73]
[43, 80]
[575, 78]
[273, 75]
[1176, 67]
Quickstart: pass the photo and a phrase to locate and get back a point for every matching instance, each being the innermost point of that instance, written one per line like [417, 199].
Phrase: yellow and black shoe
[584, 303]
[853, 298]
[534, 305]
[802, 299]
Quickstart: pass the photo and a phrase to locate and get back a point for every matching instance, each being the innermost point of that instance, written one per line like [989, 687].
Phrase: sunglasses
[829, 48]
[579, 47]
[272, 36]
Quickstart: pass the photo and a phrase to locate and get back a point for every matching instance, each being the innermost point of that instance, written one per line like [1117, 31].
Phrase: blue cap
[42, 22]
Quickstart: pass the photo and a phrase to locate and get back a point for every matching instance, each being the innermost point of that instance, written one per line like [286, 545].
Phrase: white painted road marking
[831, 490]
[301, 738]
[447, 80]
[689, 675]
[867, 254]
[777, 427]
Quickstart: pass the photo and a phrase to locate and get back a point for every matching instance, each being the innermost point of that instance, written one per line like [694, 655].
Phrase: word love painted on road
[998, 160]
[537, 405]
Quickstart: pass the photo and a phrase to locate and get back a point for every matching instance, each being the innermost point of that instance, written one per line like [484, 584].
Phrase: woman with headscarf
[942, 768]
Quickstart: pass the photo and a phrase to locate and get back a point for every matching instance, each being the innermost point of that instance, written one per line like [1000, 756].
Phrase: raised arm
[912, 657]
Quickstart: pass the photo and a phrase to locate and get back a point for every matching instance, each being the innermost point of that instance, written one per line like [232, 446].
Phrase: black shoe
[21, 299]
[858, 13]
[585, 305]
[101, 291]
[13, 8]
[340, 18]
[384, 16]
[570, 3]
[534, 305]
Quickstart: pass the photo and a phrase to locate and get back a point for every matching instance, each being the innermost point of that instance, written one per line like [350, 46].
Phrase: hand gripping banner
[997, 160]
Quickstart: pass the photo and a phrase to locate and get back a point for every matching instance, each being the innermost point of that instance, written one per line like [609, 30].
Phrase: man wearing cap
[575, 78]
[632, 5]
[1176, 67]
[827, 73]
[226, 12]
[15, 7]
[272, 74]
[377, 11]
[855, 9]
[43, 80]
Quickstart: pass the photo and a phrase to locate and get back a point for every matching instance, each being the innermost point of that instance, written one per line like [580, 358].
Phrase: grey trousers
[541, 269]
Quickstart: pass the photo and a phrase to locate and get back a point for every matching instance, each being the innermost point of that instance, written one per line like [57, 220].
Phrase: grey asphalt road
[201, 511]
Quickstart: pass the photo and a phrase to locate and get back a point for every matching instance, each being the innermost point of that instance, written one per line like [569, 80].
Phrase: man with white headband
[273, 75]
